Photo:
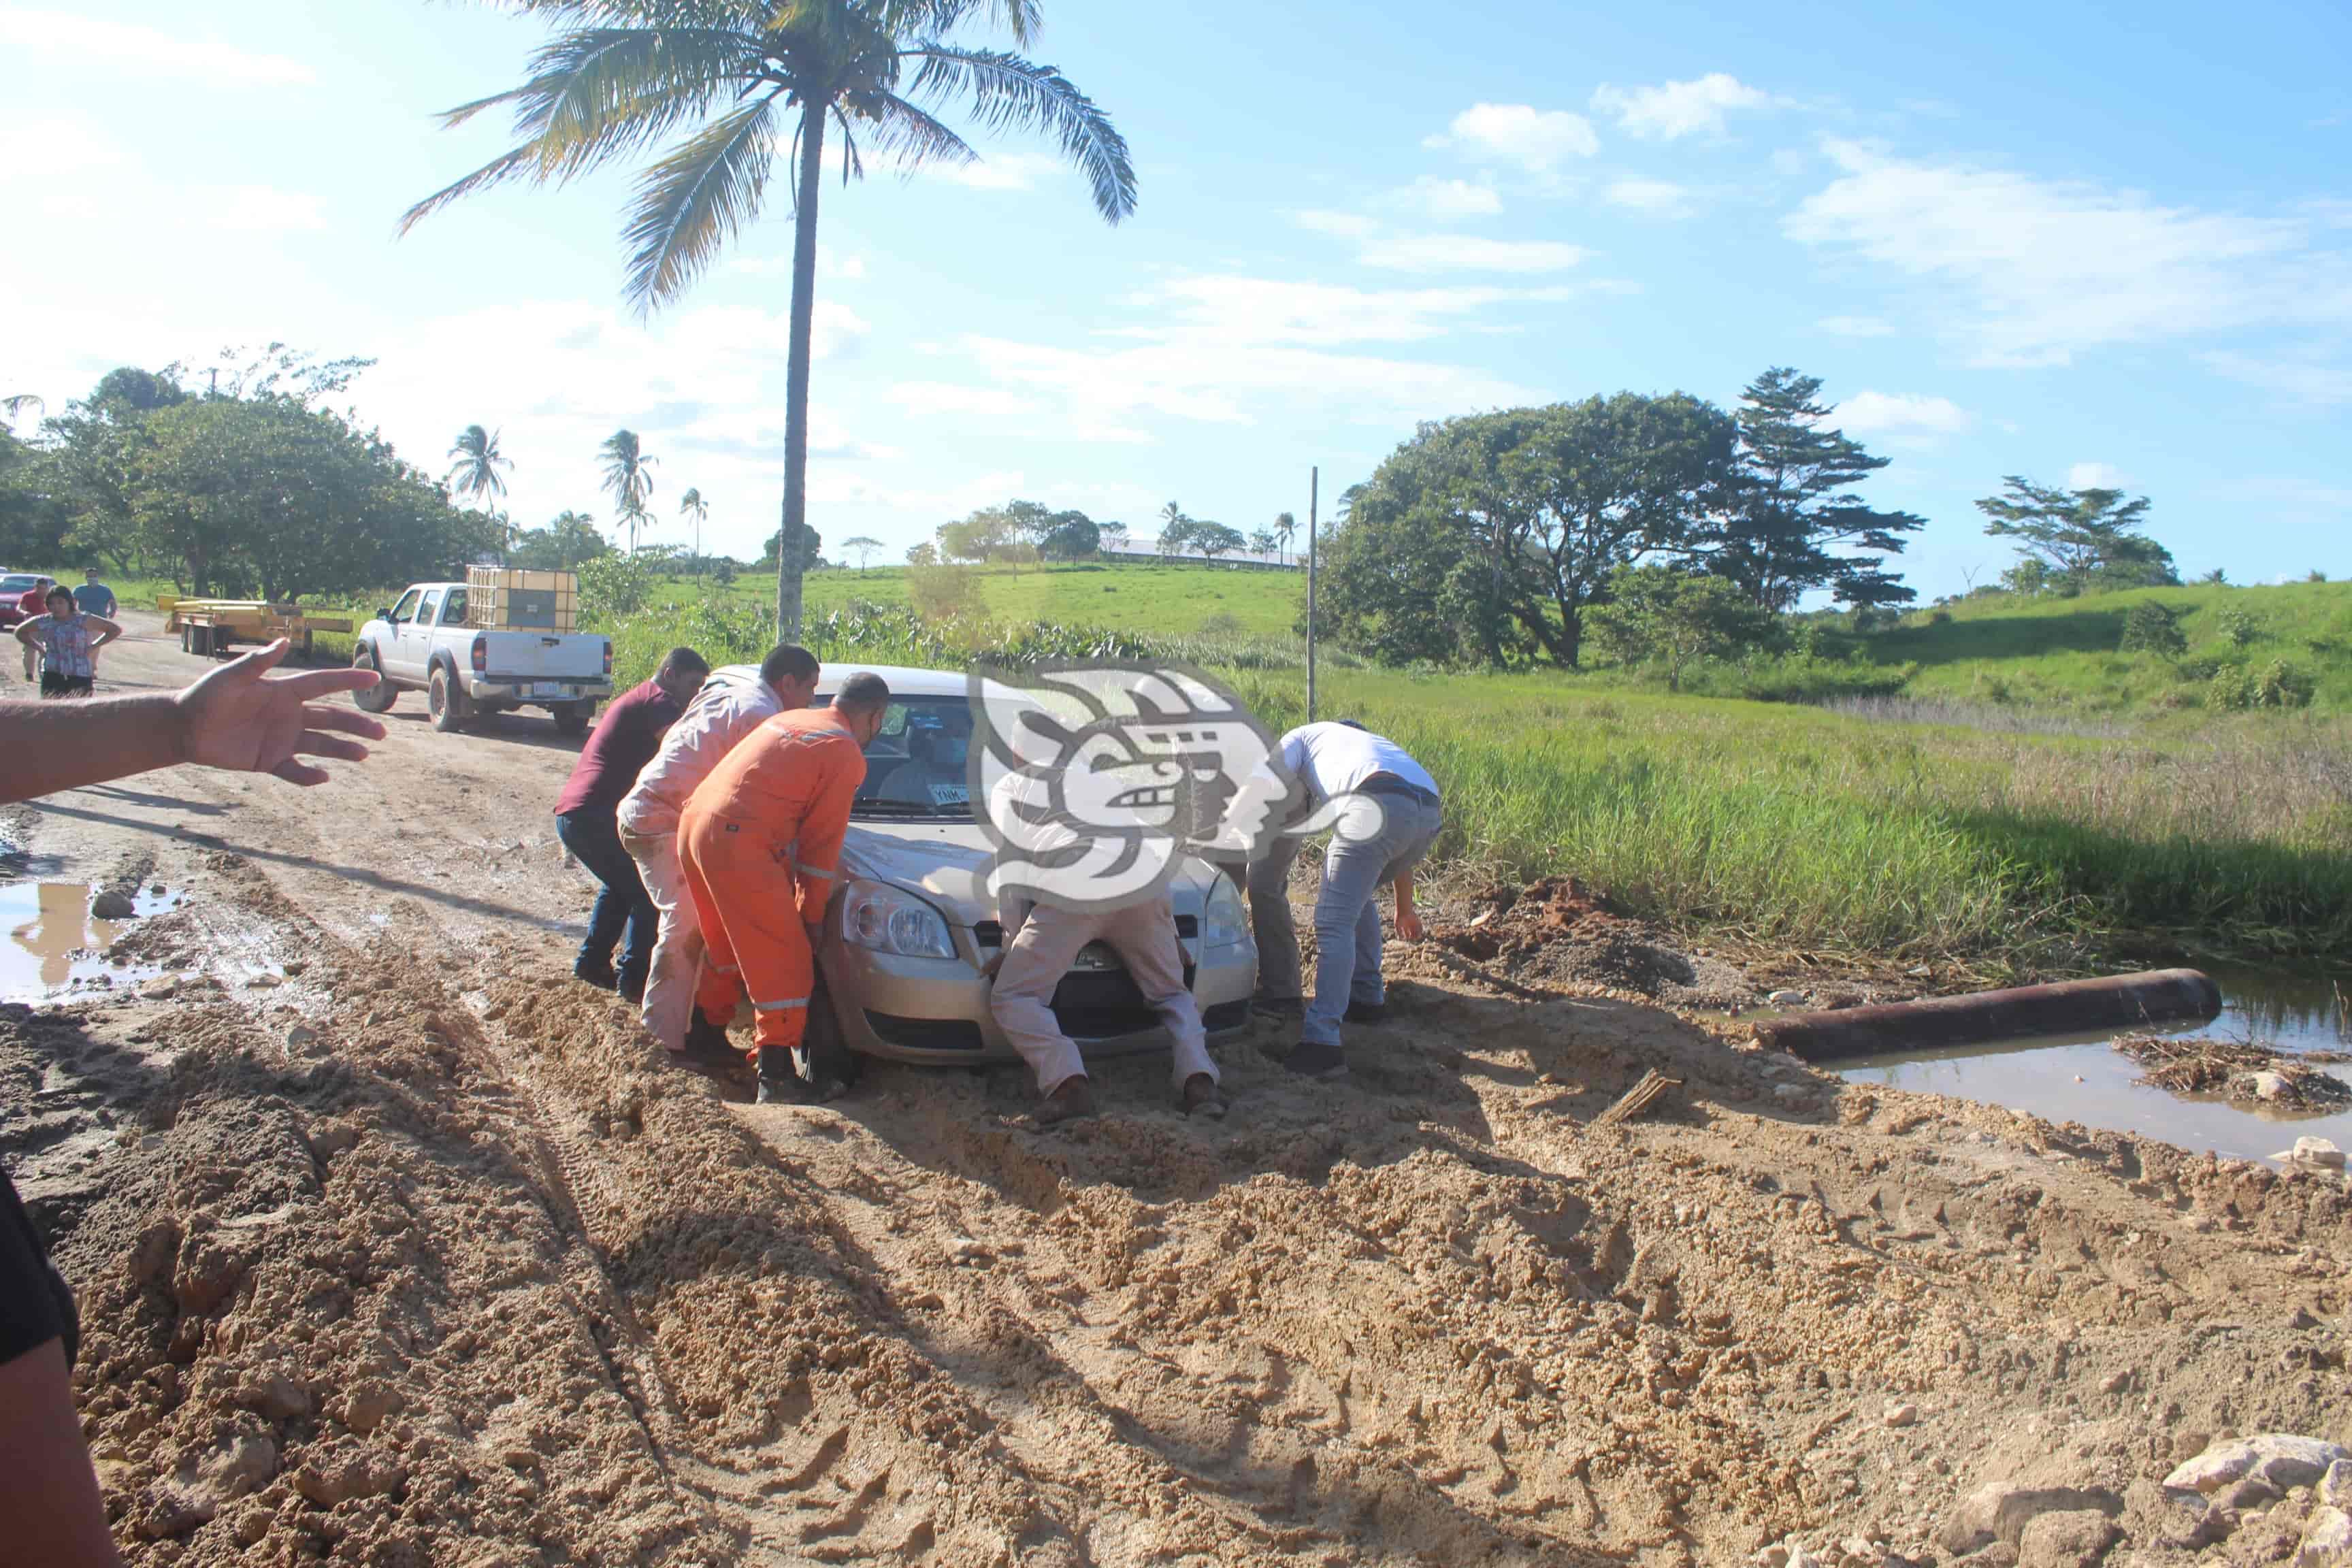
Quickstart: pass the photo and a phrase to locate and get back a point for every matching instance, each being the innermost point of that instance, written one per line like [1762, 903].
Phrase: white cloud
[925, 399]
[1647, 195]
[1537, 140]
[1347, 226]
[2048, 269]
[1677, 109]
[1896, 412]
[2096, 476]
[258, 209]
[1002, 171]
[1855, 326]
[1264, 311]
[120, 47]
[1447, 199]
[1468, 253]
[2306, 380]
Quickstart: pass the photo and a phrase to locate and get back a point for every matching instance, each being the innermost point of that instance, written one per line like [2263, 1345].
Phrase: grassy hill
[2063, 653]
[1153, 600]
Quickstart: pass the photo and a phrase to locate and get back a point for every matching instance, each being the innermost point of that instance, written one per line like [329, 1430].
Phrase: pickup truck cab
[424, 643]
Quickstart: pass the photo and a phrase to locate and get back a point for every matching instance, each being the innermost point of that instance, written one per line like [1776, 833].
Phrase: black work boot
[1312, 1058]
[706, 1041]
[780, 1080]
[1366, 1011]
[597, 971]
[1072, 1098]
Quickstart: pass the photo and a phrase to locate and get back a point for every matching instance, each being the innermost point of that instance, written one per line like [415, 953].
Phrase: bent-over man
[1384, 811]
[622, 743]
[725, 712]
[759, 847]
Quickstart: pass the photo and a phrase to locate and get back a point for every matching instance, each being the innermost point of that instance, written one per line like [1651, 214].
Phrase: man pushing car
[759, 846]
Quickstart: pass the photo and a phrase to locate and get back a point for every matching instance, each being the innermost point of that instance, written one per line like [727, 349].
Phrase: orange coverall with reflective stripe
[758, 843]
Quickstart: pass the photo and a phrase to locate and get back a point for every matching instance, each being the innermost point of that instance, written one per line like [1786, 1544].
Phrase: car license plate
[547, 689]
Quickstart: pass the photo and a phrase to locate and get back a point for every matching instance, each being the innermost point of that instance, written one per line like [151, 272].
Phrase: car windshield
[17, 582]
[915, 765]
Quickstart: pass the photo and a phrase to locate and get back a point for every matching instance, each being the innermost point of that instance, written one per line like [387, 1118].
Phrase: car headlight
[887, 920]
[1223, 921]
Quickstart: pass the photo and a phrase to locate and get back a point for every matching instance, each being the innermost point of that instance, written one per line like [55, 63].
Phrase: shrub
[2239, 627]
[2281, 685]
[940, 590]
[614, 586]
[2151, 627]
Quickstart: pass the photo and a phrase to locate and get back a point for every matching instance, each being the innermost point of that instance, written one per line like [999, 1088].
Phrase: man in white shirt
[1384, 811]
[722, 714]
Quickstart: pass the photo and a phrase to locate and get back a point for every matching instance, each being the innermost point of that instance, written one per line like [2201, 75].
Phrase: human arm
[29, 634]
[48, 1493]
[816, 854]
[1408, 921]
[231, 717]
[107, 631]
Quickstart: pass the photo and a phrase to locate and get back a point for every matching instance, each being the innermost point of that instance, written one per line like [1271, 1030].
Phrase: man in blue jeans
[618, 749]
[1383, 812]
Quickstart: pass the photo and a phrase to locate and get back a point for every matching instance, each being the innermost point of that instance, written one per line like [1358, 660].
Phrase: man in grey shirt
[1384, 811]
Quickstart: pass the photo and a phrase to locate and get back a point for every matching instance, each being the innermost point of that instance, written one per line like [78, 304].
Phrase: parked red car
[14, 586]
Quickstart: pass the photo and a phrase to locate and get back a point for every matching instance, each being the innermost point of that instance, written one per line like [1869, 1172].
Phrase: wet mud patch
[1557, 933]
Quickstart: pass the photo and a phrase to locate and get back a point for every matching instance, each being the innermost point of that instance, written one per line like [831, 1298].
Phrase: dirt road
[396, 1245]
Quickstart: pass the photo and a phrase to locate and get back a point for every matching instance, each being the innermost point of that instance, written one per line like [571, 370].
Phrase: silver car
[912, 933]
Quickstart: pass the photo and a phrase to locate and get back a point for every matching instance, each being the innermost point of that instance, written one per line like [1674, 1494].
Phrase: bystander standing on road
[33, 604]
[94, 598]
[231, 717]
[622, 743]
[69, 642]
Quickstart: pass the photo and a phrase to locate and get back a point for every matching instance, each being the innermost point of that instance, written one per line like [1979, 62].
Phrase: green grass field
[1152, 600]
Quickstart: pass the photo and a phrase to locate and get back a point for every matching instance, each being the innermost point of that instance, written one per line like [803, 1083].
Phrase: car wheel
[376, 698]
[827, 1064]
[572, 718]
[444, 701]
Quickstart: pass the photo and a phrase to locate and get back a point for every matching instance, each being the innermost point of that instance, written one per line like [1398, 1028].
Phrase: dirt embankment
[395, 1246]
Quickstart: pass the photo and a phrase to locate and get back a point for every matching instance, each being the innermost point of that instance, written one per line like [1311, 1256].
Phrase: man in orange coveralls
[759, 842]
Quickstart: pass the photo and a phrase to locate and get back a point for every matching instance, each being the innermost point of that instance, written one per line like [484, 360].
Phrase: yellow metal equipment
[207, 627]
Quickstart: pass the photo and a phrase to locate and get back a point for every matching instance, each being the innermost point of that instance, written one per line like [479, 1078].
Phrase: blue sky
[2009, 239]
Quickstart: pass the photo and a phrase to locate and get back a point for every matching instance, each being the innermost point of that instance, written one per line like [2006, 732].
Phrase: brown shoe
[1200, 1096]
[1072, 1098]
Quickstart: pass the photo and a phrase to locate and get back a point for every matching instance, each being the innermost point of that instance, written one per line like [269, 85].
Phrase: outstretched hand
[235, 718]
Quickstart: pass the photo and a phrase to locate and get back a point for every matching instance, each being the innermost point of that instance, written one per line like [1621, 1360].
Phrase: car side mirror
[383, 614]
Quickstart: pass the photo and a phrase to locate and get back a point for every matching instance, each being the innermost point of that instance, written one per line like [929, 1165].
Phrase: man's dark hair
[863, 692]
[686, 661]
[1352, 724]
[788, 661]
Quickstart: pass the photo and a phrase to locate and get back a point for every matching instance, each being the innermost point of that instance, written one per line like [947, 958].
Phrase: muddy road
[396, 1245]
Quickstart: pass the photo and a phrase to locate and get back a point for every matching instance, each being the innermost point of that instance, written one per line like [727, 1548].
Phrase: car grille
[925, 1034]
[1224, 1015]
[991, 933]
[1096, 1005]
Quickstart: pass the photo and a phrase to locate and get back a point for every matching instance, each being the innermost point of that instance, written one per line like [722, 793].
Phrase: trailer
[210, 626]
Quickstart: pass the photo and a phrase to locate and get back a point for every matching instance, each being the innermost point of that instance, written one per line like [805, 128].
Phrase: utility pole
[1314, 489]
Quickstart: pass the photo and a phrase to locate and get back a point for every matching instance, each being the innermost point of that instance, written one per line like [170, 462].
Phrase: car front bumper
[936, 1010]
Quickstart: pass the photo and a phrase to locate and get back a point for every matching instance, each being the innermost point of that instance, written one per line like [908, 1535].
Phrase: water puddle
[2081, 1078]
[56, 944]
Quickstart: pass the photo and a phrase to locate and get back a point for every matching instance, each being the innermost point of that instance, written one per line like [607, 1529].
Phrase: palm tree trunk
[790, 553]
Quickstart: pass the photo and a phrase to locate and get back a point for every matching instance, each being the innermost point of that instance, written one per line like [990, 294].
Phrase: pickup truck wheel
[444, 701]
[376, 698]
[572, 718]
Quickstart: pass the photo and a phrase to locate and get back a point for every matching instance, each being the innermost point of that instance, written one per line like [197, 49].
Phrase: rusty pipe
[2069, 1006]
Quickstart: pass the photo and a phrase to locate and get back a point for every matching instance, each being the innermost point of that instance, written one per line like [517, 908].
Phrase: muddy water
[2081, 1078]
[54, 941]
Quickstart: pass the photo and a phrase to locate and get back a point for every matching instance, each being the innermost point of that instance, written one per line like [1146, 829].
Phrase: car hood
[947, 863]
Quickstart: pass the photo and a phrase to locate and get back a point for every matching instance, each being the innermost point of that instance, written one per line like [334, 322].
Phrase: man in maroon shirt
[622, 743]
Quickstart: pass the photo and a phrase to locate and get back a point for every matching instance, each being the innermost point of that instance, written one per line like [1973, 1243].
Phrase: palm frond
[515, 163]
[853, 162]
[913, 138]
[601, 93]
[936, 18]
[1007, 92]
[695, 199]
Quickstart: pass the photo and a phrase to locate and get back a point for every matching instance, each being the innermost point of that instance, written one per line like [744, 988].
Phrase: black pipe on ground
[2069, 1006]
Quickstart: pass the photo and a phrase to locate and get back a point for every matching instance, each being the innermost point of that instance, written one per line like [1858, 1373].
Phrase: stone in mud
[1999, 1510]
[1785, 999]
[2076, 1539]
[1903, 1415]
[162, 988]
[2326, 1540]
[112, 904]
[275, 1395]
[2279, 1458]
[2269, 1085]
[338, 1477]
[2336, 1485]
[2318, 1152]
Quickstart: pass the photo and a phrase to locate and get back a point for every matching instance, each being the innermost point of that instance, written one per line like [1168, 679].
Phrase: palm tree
[1285, 525]
[628, 476]
[728, 76]
[476, 472]
[864, 546]
[691, 504]
[16, 403]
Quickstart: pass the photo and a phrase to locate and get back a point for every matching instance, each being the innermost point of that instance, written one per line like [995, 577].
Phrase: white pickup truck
[424, 644]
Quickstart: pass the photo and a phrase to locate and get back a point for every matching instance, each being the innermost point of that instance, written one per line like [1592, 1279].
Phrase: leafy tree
[865, 548]
[1113, 536]
[615, 584]
[628, 478]
[90, 447]
[565, 543]
[2152, 627]
[1074, 536]
[741, 81]
[1261, 540]
[475, 473]
[1672, 616]
[1789, 521]
[1214, 539]
[33, 519]
[2081, 540]
[924, 554]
